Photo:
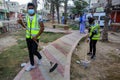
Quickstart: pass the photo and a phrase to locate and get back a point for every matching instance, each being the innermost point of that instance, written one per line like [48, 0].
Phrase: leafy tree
[80, 5]
[0, 2]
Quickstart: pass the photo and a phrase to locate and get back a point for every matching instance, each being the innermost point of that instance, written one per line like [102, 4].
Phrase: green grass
[12, 57]
[74, 27]
[49, 36]
[20, 33]
[10, 61]
[45, 37]
[22, 44]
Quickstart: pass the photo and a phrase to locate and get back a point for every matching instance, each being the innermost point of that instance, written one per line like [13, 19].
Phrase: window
[96, 17]
[102, 18]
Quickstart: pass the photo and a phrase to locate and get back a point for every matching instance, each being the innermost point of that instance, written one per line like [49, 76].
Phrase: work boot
[90, 53]
[93, 57]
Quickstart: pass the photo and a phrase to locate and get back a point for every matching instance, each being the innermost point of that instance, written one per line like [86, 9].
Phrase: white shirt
[39, 19]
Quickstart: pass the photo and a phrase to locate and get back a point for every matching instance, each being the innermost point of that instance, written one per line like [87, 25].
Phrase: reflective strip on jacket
[33, 27]
[95, 36]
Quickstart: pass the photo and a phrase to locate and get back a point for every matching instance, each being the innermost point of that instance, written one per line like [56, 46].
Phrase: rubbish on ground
[78, 62]
[84, 63]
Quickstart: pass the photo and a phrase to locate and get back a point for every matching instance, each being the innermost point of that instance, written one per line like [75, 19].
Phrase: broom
[53, 65]
[85, 62]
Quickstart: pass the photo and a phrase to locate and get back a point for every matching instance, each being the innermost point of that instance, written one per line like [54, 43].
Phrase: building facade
[3, 10]
[13, 8]
[115, 9]
[22, 8]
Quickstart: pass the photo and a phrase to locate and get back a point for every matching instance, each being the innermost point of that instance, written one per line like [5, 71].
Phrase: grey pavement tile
[57, 54]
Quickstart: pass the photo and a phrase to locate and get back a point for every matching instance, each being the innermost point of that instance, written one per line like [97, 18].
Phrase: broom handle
[39, 47]
[85, 55]
[37, 43]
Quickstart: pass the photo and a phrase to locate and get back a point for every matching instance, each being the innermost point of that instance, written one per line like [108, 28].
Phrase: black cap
[91, 20]
[31, 4]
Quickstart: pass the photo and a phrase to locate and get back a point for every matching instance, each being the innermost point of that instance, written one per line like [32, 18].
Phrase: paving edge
[67, 67]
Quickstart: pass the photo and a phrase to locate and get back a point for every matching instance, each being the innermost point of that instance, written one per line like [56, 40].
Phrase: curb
[67, 68]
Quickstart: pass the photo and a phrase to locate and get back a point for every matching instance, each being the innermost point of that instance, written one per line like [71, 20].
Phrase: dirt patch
[7, 41]
[106, 66]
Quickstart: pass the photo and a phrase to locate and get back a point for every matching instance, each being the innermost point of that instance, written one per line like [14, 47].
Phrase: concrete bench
[115, 26]
[61, 26]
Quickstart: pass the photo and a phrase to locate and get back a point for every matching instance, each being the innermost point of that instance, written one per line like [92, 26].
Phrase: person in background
[34, 29]
[82, 23]
[63, 19]
[94, 36]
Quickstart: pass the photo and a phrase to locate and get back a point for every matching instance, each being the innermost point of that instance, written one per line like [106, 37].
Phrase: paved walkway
[59, 51]
[59, 30]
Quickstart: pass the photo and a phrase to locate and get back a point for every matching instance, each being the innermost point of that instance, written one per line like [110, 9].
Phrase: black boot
[93, 57]
[53, 66]
[90, 53]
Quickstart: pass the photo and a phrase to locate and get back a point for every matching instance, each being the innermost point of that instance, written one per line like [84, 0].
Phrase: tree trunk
[52, 11]
[105, 29]
[35, 3]
[58, 16]
[65, 11]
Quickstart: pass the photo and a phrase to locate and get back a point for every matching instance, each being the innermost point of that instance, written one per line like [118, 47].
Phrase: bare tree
[107, 11]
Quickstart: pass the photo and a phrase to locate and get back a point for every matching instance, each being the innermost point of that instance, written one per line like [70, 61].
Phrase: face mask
[31, 11]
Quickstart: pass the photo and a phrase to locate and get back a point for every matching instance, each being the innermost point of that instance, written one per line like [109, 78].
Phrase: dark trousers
[93, 47]
[32, 48]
